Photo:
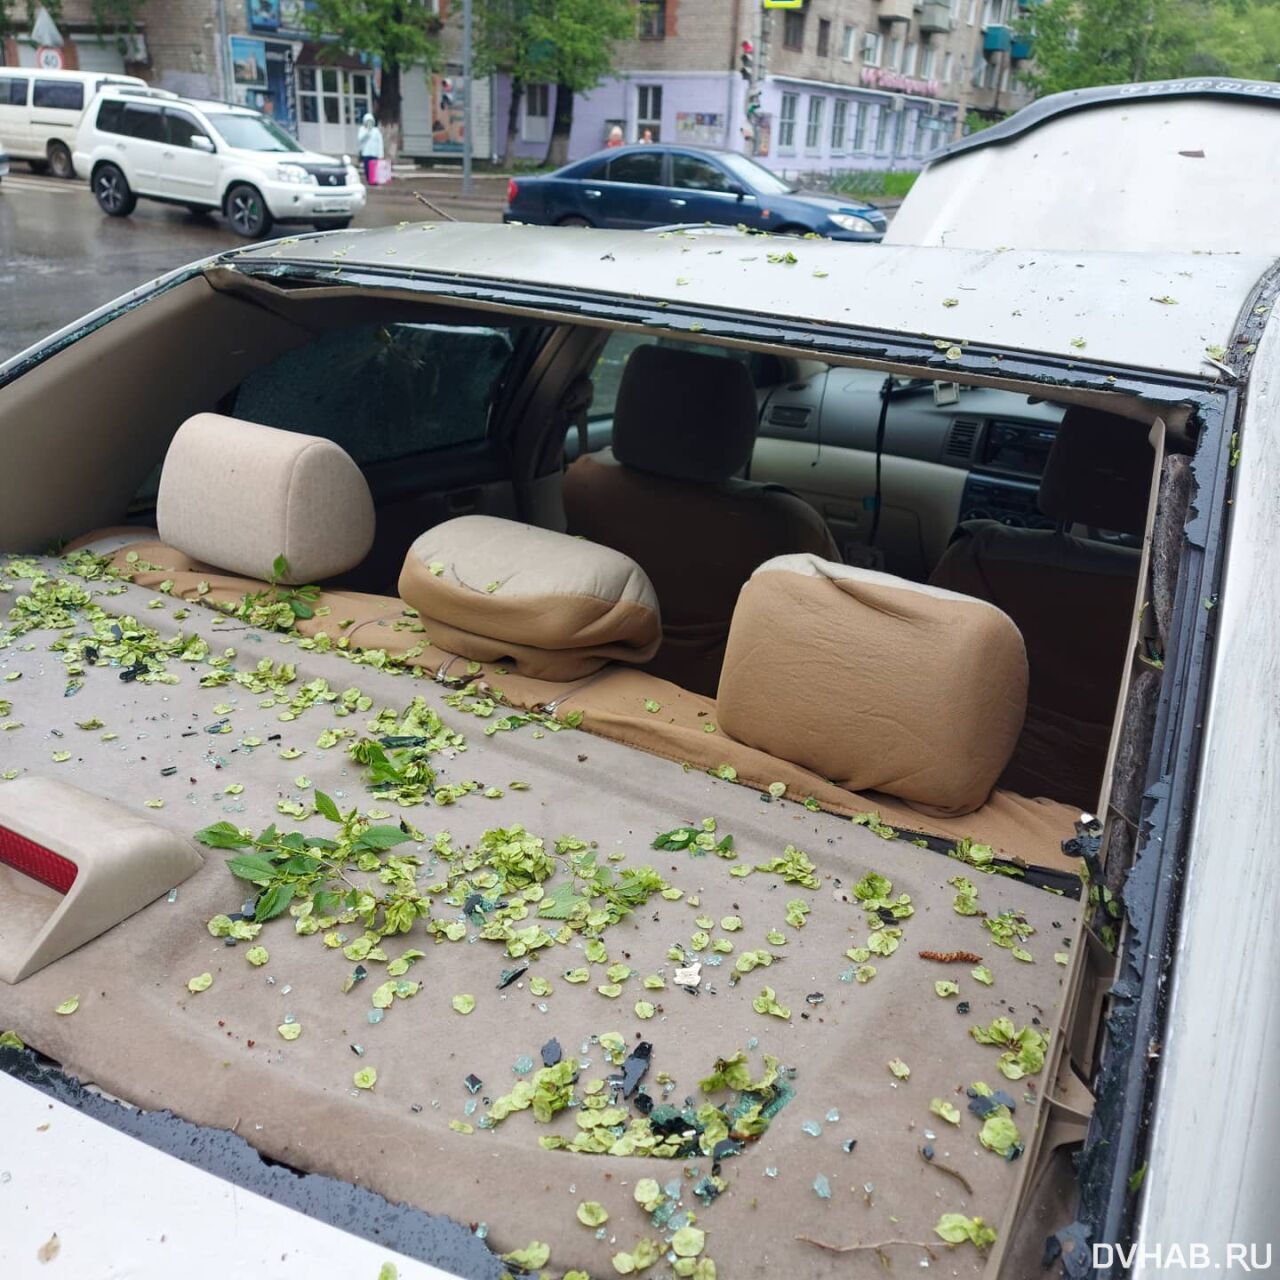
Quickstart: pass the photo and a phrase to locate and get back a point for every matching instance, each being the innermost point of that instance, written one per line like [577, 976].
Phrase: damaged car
[576, 753]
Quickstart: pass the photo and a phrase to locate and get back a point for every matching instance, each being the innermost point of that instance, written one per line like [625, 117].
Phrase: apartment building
[832, 84]
[258, 53]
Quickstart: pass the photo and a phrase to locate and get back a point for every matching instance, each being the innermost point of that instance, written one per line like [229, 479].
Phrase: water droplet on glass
[822, 1187]
[812, 1128]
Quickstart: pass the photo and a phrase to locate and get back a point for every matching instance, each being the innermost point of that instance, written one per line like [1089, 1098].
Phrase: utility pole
[224, 53]
[468, 114]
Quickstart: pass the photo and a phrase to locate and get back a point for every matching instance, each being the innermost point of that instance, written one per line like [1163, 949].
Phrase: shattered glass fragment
[812, 1128]
[522, 1065]
[814, 998]
[510, 975]
[833, 1116]
[849, 1144]
[474, 1083]
[376, 1015]
[634, 1068]
[551, 1053]
[822, 1187]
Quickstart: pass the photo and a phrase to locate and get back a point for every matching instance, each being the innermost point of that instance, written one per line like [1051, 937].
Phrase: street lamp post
[468, 113]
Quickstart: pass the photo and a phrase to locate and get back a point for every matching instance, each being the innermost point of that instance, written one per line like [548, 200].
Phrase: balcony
[1021, 48]
[895, 10]
[935, 17]
[997, 39]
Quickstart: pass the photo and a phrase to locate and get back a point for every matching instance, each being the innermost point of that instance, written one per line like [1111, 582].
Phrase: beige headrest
[556, 607]
[874, 682]
[237, 495]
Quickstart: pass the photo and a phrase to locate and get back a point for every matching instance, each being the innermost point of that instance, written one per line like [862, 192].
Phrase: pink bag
[381, 173]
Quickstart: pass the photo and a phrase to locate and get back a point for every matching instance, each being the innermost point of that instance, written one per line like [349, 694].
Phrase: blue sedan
[655, 186]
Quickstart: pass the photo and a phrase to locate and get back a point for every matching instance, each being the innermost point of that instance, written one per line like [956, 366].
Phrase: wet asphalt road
[61, 256]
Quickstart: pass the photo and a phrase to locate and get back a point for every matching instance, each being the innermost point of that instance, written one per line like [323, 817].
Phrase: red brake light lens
[513, 190]
[36, 861]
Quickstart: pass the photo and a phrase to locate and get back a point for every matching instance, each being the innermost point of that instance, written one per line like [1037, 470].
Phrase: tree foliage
[1079, 43]
[108, 15]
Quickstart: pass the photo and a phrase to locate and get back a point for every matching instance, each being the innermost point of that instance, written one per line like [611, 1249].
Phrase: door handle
[680, 203]
[168, 155]
[592, 195]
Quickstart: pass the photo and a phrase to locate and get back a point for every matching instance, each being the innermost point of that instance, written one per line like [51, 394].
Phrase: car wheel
[60, 161]
[247, 211]
[332, 224]
[572, 220]
[112, 192]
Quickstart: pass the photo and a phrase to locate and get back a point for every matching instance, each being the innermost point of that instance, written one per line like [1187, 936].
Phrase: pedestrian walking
[369, 141]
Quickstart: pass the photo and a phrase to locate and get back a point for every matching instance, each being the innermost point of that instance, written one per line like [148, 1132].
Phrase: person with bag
[369, 141]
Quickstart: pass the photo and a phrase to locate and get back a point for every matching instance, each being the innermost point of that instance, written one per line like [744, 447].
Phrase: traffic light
[753, 106]
[746, 63]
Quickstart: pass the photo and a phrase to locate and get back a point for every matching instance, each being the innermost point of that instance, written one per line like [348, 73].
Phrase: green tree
[568, 43]
[1079, 43]
[400, 33]
[109, 16]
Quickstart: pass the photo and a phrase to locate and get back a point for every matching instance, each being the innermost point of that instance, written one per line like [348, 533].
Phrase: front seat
[1072, 599]
[666, 494]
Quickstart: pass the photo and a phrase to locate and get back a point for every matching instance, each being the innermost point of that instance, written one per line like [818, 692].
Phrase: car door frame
[189, 175]
[651, 205]
[142, 156]
[692, 204]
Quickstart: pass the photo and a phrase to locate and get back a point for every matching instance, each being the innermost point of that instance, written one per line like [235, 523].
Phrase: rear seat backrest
[556, 607]
[236, 495]
[874, 682]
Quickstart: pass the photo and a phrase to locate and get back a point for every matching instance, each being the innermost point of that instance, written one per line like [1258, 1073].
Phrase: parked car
[210, 156]
[655, 186]
[859, 761]
[40, 112]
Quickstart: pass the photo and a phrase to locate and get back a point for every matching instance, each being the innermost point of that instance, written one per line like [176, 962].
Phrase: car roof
[1146, 311]
[132, 93]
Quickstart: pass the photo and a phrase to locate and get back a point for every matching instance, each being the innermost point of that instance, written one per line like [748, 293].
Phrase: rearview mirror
[736, 189]
[200, 143]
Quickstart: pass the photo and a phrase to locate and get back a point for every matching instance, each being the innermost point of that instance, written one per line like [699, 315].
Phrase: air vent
[960, 439]
[789, 415]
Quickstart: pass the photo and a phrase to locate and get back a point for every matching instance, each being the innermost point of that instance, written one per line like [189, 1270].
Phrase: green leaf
[257, 956]
[201, 982]
[533, 1257]
[591, 1213]
[68, 1007]
[380, 838]
[463, 1004]
[899, 1068]
[326, 808]
[257, 868]
[767, 1002]
[222, 835]
[365, 1078]
[1000, 1134]
[948, 1111]
[273, 902]
[955, 1228]
[279, 568]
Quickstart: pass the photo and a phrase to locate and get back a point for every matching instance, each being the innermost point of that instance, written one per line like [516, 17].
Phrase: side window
[695, 174]
[384, 392]
[62, 95]
[607, 376]
[111, 116]
[181, 128]
[141, 121]
[13, 91]
[643, 167]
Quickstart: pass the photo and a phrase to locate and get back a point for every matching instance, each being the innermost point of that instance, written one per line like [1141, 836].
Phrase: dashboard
[1001, 439]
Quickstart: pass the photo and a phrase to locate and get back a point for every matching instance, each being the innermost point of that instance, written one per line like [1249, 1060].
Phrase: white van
[40, 112]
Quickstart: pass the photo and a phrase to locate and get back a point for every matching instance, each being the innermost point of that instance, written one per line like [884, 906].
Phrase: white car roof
[1163, 312]
[1169, 166]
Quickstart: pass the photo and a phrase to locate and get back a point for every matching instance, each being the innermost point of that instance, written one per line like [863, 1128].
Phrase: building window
[537, 113]
[787, 122]
[928, 60]
[813, 128]
[860, 126]
[872, 48]
[948, 66]
[651, 19]
[893, 55]
[995, 13]
[955, 11]
[884, 119]
[848, 41]
[839, 124]
[909, 60]
[824, 38]
[793, 29]
[649, 111]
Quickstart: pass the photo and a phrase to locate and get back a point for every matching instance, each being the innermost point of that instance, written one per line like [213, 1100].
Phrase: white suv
[208, 155]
